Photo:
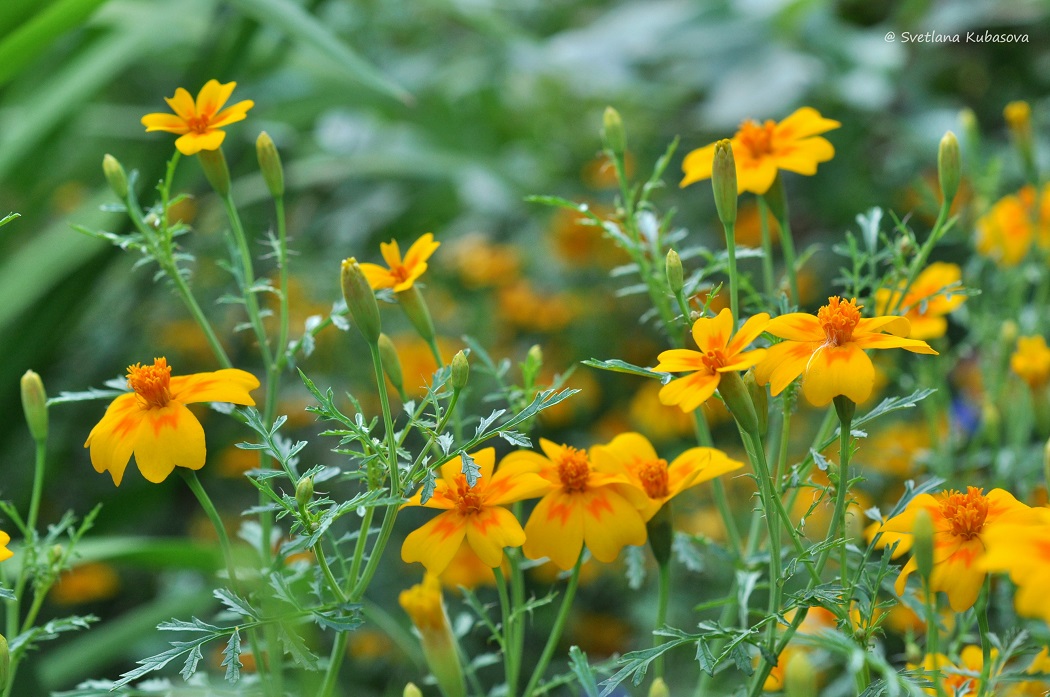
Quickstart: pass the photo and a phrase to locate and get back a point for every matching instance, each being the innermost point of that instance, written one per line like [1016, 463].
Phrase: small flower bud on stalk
[460, 371]
[613, 134]
[213, 162]
[1018, 117]
[412, 691]
[723, 182]
[115, 175]
[800, 679]
[970, 129]
[1008, 332]
[304, 493]
[535, 355]
[922, 548]
[360, 300]
[392, 365]
[426, 607]
[659, 689]
[675, 273]
[415, 308]
[270, 164]
[34, 405]
[760, 398]
[737, 399]
[949, 166]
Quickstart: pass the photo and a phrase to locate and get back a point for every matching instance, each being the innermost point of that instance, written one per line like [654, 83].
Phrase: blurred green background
[399, 117]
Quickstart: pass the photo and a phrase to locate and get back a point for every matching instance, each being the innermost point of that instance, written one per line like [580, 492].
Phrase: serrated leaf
[428, 487]
[235, 603]
[516, 438]
[705, 658]
[232, 657]
[471, 470]
[190, 666]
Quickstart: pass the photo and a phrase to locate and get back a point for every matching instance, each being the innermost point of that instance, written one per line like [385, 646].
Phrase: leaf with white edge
[190, 666]
[428, 488]
[232, 657]
[6, 594]
[235, 603]
[488, 421]
[516, 438]
[687, 553]
[617, 366]
[470, 469]
[89, 394]
[822, 462]
[445, 441]
[409, 407]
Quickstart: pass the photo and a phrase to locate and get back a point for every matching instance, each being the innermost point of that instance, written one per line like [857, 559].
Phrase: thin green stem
[556, 631]
[933, 637]
[326, 570]
[248, 281]
[213, 515]
[359, 547]
[986, 638]
[661, 614]
[510, 660]
[335, 662]
[919, 262]
[38, 483]
[734, 279]
[768, 275]
[703, 437]
[282, 261]
[787, 243]
[388, 421]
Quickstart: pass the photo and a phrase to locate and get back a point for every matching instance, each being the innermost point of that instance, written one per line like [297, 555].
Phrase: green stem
[986, 639]
[838, 520]
[768, 275]
[359, 547]
[933, 637]
[661, 614]
[326, 570]
[734, 281]
[510, 660]
[787, 243]
[248, 280]
[335, 662]
[703, 437]
[556, 631]
[388, 421]
[38, 483]
[282, 261]
[919, 262]
[213, 515]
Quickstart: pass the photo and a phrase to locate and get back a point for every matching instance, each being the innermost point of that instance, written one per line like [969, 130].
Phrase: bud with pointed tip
[5, 660]
[613, 133]
[213, 162]
[949, 166]
[675, 273]
[659, 689]
[460, 371]
[270, 164]
[115, 175]
[760, 398]
[723, 182]
[304, 493]
[34, 405]
[360, 300]
[412, 691]
[415, 308]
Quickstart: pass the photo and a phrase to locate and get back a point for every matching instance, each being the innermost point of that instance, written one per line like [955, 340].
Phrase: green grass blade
[34, 37]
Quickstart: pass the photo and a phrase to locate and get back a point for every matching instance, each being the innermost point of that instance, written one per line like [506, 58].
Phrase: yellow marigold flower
[153, 422]
[827, 349]
[1005, 232]
[720, 352]
[582, 506]
[934, 294]
[1031, 361]
[476, 513]
[1018, 116]
[1023, 550]
[199, 122]
[402, 273]
[5, 553]
[653, 482]
[961, 522]
[761, 150]
[425, 605]
[960, 679]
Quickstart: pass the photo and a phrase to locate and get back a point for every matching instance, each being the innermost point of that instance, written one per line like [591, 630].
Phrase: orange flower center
[757, 138]
[574, 469]
[653, 475]
[965, 513]
[151, 382]
[468, 499]
[199, 124]
[838, 319]
[399, 272]
[714, 360]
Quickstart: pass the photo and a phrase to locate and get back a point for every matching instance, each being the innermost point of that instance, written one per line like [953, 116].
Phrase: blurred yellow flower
[1031, 361]
[817, 621]
[425, 605]
[521, 305]
[199, 122]
[466, 569]
[653, 482]
[961, 524]
[402, 273]
[1040, 665]
[1023, 550]
[481, 263]
[957, 679]
[475, 514]
[582, 506]
[935, 293]
[761, 150]
[1006, 232]
[153, 423]
[85, 583]
[5, 553]
[828, 351]
[720, 352]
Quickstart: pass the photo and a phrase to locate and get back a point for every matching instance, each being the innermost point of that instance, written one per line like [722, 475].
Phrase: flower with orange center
[935, 293]
[1023, 550]
[761, 150]
[653, 482]
[199, 122]
[474, 513]
[582, 505]
[401, 272]
[153, 423]
[828, 351]
[961, 522]
[1031, 361]
[720, 352]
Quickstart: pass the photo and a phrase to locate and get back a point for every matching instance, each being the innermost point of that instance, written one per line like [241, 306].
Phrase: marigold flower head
[153, 423]
[581, 506]
[652, 481]
[828, 350]
[1023, 550]
[935, 293]
[472, 513]
[761, 150]
[199, 122]
[401, 273]
[721, 351]
[1031, 361]
[961, 523]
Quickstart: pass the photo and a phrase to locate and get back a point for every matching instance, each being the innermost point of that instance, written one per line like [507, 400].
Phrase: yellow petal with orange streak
[435, 543]
[182, 104]
[803, 156]
[610, 523]
[168, 437]
[712, 333]
[112, 440]
[796, 326]
[192, 143]
[689, 392]
[492, 529]
[555, 529]
[228, 385]
[421, 250]
[838, 370]
[233, 114]
[171, 123]
[212, 96]
[377, 276]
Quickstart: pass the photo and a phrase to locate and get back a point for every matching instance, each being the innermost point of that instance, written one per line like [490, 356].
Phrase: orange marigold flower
[153, 422]
[1023, 550]
[934, 294]
[1031, 361]
[761, 150]
[720, 352]
[959, 679]
[582, 505]
[402, 273]
[653, 482]
[5, 553]
[475, 513]
[199, 122]
[827, 349]
[961, 523]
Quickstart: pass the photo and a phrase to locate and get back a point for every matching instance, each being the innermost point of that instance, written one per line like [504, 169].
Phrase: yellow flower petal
[377, 276]
[421, 250]
[753, 175]
[838, 370]
[435, 543]
[555, 529]
[212, 96]
[689, 392]
[169, 437]
[804, 122]
[610, 523]
[232, 114]
[492, 529]
[171, 123]
[783, 363]
[227, 385]
[751, 330]
[192, 143]
[697, 164]
[803, 156]
[112, 440]
[680, 360]
[712, 333]
[391, 253]
[182, 104]
[796, 326]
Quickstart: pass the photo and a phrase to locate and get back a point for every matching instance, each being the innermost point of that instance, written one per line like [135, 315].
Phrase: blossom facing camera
[199, 122]
[153, 423]
[401, 273]
[762, 150]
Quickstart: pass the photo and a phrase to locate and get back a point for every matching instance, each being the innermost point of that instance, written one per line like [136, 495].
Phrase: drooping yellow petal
[492, 529]
[959, 577]
[753, 175]
[228, 385]
[168, 437]
[838, 370]
[436, 542]
[697, 164]
[555, 529]
[112, 440]
[689, 392]
[192, 142]
[803, 156]
[172, 123]
[610, 523]
[698, 465]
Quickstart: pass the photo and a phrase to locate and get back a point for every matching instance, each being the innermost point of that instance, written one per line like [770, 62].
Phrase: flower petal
[168, 437]
[898, 326]
[886, 341]
[751, 330]
[112, 440]
[804, 122]
[803, 156]
[697, 164]
[212, 96]
[378, 277]
[610, 523]
[192, 143]
[232, 114]
[492, 529]
[182, 104]
[414, 273]
[227, 385]
[712, 333]
[391, 253]
[783, 363]
[689, 392]
[555, 529]
[743, 361]
[680, 361]
[436, 542]
[698, 465]
[838, 370]
[164, 122]
[796, 326]
[754, 175]
[421, 250]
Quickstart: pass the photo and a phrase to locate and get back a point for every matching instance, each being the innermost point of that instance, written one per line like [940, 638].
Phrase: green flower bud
[535, 355]
[760, 398]
[675, 273]
[922, 548]
[800, 679]
[613, 133]
[723, 182]
[304, 493]
[949, 166]
[115, 175]
[661, 534]
[270, 164]
[34, 405]
[460, 371]
[391, 364]
[659, 689]
[737, 399]
[5, 660]
[360, 300]
[415, 308]
[213, 162]
[412, 691]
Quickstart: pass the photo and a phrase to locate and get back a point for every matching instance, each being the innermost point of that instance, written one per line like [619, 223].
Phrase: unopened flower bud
[115, 175]
[800, 678]
[270, 164]
[460, 371]
[660, 529]
[415, 308]
[659, 689]
[535, 354]
[971, 130]
[949, 166]
[424, 604]
[922, 548]
[213, 162]
[675, 273]
[738, 401]
[412, 691]
[360, 300]
[760, 398]
[723, 181]
[34, 405]
[304, 492]
[5, 660]
[1008, 332]
[1018, 117]
[55, 554]
[391, 364]
[613, 133]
